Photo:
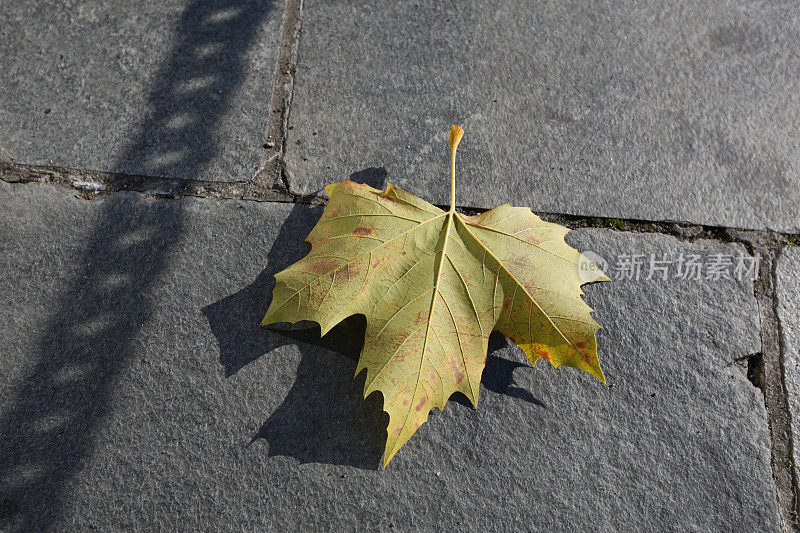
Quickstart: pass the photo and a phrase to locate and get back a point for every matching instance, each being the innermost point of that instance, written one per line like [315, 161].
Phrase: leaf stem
[455, 137]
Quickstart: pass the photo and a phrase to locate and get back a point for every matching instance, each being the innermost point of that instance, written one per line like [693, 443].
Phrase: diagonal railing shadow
[323, 418]
[49, 431]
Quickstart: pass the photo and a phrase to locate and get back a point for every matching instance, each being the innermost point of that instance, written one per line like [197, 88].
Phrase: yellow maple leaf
[433, 285]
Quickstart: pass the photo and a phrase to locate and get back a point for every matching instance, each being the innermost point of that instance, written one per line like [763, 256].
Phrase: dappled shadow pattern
[48, 433]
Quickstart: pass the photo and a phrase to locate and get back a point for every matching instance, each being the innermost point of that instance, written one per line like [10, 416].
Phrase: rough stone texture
[683, 111]
[138, 392]
[177, 88]
[787, 291]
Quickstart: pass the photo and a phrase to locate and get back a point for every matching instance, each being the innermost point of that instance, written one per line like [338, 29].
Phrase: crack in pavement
[88, 184]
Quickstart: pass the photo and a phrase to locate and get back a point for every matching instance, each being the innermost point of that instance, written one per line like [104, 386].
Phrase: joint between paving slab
[770, 372]
[89, 184]
[271, 176]
[784, 397]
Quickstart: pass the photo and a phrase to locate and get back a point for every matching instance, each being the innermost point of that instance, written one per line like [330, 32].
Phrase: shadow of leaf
[324, 418]
[498, 376]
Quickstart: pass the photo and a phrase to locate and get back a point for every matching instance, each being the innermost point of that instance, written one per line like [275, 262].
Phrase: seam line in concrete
[794, 514]
[770, 379]
[270, 176]
[89, 184]
[292, 71]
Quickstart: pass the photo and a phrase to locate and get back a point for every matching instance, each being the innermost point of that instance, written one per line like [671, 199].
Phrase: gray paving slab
[138, 392]
[684, 111]
[787, 289]
[176, 88]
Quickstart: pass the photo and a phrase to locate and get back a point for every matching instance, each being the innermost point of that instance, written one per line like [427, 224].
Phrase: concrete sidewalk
[161, 161]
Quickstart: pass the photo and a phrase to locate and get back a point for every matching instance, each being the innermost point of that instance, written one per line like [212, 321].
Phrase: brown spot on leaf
[323, 266]
[457, 373]
[421, 404]
[349, 271]
[544, 354]
[580, 345]
[362, 230]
